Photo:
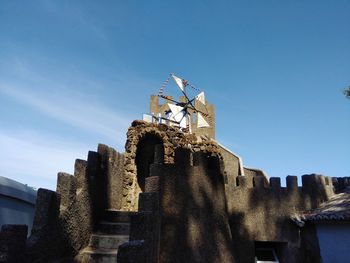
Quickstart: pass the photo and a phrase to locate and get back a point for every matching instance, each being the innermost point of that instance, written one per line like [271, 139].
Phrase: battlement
[309, 182]
[77, 205]
[142, 139]
[314, 190]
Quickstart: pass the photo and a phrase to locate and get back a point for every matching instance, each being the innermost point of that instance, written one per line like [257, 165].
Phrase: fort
[171, 197]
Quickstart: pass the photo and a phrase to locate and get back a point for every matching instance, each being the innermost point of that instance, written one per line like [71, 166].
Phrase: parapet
[142, 138]
[314, 189]
[65, 219]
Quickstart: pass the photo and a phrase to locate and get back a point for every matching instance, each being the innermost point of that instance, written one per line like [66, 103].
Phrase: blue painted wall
[334, 240]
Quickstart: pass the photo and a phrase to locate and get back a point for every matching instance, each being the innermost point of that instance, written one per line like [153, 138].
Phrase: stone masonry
[171, 197]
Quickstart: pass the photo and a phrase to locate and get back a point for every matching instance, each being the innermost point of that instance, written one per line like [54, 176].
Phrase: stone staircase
[111, 233]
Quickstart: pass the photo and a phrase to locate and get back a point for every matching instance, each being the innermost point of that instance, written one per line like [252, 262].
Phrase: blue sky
[76, 73]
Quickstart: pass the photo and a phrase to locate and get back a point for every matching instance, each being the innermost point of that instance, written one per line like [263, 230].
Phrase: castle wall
[195, 205]
[192, 198]
[262, 213]
[183, 200]
[112, 165]
[172, 139]
[65, 219]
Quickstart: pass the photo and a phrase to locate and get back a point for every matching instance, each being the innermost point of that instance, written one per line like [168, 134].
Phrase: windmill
[179, 113]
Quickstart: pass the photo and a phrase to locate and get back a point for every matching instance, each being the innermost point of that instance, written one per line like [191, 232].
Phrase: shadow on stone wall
[145, 155]
[261, 213]
[189, 204]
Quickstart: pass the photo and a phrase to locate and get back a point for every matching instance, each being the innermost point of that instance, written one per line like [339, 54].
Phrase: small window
[265, 255]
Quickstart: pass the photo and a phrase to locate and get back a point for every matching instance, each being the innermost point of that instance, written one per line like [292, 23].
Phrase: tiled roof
[337, 208]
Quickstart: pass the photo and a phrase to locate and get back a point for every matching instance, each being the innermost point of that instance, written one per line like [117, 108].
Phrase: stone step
[112, 215]
[100, 241]
[90, 255]
[112, 228]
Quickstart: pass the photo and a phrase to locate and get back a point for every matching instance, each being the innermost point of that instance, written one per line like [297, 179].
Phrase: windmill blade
[199, 111]
[177, 112]
[183, 122]
[201, 97]
[202, 123]
[169, 99]
[181, 83]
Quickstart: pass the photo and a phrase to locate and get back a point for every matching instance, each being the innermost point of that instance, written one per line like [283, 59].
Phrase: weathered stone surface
[112, 164]
[45, 243]
[192, 201]
[172, 138]
[12, 243]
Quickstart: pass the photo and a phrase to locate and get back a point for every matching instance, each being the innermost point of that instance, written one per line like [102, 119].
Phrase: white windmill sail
[178, 115]
[176, 112]
[202, 123]
[183, 122]
[201, 97]
[180, 82]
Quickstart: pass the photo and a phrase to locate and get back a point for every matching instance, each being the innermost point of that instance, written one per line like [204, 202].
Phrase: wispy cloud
[73, 107]
[34, 156]
[35, 159]
[82, 114]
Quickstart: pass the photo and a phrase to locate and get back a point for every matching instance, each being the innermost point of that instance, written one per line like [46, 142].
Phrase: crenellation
[44, 233]
[258, 182]
[346, 181]
[66, 188]
[243, 182]
[292, 183]
[80, 172]
[275, 183]
[112, 167]
[176, 185]
[47, 206]
[310, 181]
[93, 164]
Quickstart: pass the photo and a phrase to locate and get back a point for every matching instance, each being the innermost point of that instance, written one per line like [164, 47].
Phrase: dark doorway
[149, 146]
[270, 251]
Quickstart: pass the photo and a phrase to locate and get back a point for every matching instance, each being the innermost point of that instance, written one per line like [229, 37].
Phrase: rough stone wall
[45, 242]
[181, 200]
[192, 198]
[112, 165]
[65, 219]
[262, 213]
[172, 139]
[193, 209]
[12, 243]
